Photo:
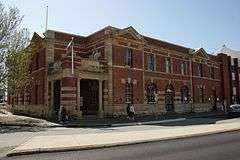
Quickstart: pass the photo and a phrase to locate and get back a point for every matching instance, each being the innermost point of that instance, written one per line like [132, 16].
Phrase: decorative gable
[130, 33]
[201, 53]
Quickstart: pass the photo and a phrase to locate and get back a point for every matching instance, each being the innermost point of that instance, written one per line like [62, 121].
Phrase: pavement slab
[54, 143]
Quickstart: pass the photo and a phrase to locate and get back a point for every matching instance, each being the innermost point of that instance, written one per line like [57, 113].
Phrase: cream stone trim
[119, 45]
[68, 88]
[68, 102]
[125, 67]
[169, 55]
[204, 61]
[161, 49]
[218, 80]
[168, 73]
[77, 45]
[89, 51]
[68, 95]
[147, 77]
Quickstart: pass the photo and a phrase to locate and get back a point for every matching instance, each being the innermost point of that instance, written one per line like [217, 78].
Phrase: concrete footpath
[55, 143]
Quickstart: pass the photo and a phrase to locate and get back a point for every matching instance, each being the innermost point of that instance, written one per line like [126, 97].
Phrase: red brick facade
[100, 71]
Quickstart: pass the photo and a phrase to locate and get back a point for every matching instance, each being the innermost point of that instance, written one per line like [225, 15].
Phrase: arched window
[151, 93]
[169, 98]
[184, 94]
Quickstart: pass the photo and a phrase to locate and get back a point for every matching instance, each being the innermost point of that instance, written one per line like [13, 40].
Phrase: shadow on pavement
[13, 129]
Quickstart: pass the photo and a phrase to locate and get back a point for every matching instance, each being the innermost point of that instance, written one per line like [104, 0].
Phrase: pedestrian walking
[132, 112]
[128, 111]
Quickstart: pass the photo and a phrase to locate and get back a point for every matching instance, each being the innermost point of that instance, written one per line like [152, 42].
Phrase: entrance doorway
[56, 95]
[169, 98]
[89, 96]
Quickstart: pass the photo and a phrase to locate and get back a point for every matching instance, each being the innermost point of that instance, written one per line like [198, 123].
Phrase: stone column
[100, 108]
[78, 97]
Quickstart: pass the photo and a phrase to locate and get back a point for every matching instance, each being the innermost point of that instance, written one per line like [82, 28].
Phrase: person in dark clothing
[132, 112]
[63, 114]
[128, 110]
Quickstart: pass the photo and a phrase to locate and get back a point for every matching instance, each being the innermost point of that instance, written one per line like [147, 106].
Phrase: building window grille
[128, 57]
[128, 92]
[168, 64]
[151, 93]
[151, 62]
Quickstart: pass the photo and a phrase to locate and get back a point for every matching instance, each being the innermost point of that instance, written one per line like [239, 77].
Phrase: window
[151, 62]
[128, 92]
[184, 68]
[212, 72]
[168, 64]
[151, 93]
[184, 94]
[233, 76]
[128, 57]
[234, 91]
[201, 95]
[200, 70]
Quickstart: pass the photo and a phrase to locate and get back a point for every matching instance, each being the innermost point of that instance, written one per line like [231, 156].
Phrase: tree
[14, 55]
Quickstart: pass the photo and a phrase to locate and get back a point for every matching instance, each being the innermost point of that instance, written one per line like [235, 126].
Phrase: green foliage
[18, 75]
[13, 55]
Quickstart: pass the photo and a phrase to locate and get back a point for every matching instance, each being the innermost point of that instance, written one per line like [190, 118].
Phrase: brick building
[114, 67]
[234, 68]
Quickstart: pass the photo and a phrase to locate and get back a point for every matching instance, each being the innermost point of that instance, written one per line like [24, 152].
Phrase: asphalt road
[225, 146]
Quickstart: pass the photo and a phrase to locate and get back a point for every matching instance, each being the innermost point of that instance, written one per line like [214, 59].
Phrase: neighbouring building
[233, 60]
[114, 67]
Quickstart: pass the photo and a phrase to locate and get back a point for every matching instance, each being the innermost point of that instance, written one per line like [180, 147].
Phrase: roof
[148, 39]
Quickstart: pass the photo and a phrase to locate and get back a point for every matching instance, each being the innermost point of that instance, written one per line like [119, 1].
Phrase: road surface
[225, 146]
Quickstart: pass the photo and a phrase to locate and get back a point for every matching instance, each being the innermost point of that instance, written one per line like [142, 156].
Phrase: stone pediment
[201, 53]
[130, 33]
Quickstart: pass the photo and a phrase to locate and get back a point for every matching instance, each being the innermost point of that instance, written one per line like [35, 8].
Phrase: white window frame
[168, 65]
[128, 57]
[151, 65]
[184, 68]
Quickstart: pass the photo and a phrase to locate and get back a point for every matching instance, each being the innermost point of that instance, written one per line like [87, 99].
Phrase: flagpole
[72, 58]
[46, 19]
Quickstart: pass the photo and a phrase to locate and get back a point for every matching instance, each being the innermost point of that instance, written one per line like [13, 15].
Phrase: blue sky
[192, 23]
